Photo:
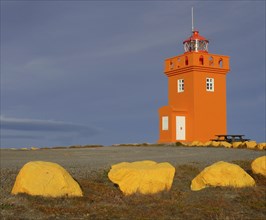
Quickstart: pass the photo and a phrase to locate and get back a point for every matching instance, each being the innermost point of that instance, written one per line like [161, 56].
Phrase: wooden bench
[230, 138]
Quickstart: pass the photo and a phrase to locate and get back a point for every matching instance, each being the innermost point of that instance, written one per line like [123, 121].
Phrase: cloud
[22, 124]
[20, 136]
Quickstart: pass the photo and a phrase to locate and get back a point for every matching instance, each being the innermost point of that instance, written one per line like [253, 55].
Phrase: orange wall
[209, 107]
[182, 102]
[169, 136]
[165, 136]
[205, 111]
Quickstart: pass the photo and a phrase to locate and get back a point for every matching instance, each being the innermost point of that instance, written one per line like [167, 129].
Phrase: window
[186, 60]
[171, 65]
[211, 61]
[180, 85]
[221, 62]
[178, 62]
[165, 123]
[201, 60]
[210, 84]
[203, 45]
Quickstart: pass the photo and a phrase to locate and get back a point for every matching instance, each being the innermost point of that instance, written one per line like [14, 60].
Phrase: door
[180, 128]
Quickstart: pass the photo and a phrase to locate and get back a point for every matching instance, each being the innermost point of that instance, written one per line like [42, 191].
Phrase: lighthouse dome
[196, 43]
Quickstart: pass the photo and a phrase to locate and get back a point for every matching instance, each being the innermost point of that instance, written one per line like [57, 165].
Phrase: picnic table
[230, 138]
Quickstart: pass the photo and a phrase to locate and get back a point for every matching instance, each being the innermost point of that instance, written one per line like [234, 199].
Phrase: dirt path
[104, 157]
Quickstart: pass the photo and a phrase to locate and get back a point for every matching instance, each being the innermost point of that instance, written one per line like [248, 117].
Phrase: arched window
[221, 62]
[178, 62]
[186, 61]
[201, 60]
[211, 61]
[171, 65]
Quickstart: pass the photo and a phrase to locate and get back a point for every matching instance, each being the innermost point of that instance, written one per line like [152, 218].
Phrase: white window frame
[210, 84]
[180, 85]
[165, 123]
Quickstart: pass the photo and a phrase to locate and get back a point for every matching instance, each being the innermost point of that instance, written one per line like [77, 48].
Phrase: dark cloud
[45, 126]
[20, 136]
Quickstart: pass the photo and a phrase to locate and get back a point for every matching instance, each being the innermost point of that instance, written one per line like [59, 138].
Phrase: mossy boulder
[215, 143]
[196, 144]
[237, 144]
[258, 166]
[222, 174]
[144, 177]
[261, 146]
[39, 178]
[225, 144]
[250, 144]
[207, 144]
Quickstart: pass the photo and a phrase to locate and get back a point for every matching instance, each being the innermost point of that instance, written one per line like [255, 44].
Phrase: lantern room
[196, 43]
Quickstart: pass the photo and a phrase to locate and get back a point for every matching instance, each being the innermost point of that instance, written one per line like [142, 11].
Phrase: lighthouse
[196, 107]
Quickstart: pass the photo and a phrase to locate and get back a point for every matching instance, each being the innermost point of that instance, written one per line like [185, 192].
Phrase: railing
[206, 60]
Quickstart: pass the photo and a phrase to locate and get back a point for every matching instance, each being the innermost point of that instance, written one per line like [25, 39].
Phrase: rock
[196, 144]
[45, 179]
[225, 144]
[145, 177]
[207, 144]
[250, 144]
[261, 146]
[258, 166]
[215, 144]
[237, 144]
[222, 174]
[189, 144]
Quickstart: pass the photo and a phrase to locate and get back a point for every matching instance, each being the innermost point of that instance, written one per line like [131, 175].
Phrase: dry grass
[103, 200]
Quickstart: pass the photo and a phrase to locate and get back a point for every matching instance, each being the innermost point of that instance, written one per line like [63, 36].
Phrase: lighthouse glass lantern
[196, 43]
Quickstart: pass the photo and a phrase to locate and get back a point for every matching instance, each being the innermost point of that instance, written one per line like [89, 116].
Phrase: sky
[91, 72]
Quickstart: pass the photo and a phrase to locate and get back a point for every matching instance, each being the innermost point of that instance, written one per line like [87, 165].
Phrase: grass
[103, 200]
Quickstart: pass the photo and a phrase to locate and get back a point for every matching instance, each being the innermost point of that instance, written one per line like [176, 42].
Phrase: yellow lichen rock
[145, 177]
[215, 143]
[222, 174]
[194, 143]
[45, 179]
[225, 144]
[197, 144]
[250, 144]
[208, 143]
[261, 146]
[237, 144]
[258, 166]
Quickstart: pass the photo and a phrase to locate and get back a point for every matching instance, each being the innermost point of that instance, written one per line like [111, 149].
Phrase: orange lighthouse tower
[196, 94]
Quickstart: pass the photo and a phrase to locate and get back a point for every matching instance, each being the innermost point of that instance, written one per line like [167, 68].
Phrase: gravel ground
[104, 157]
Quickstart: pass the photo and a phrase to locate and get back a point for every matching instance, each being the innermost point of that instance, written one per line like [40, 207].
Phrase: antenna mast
[192, 19]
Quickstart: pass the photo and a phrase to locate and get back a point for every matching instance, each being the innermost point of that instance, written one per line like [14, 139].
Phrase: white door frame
[180, 128]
